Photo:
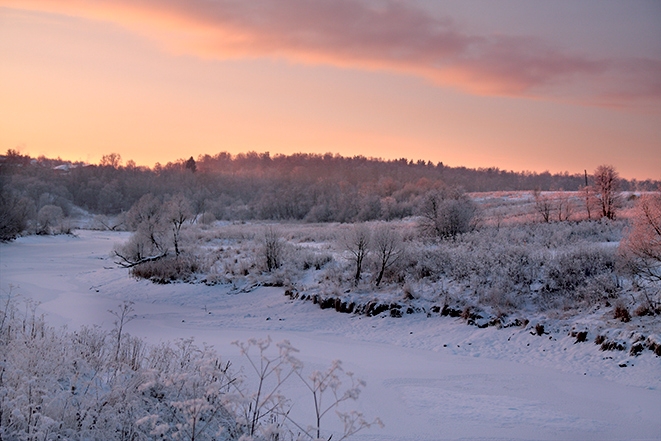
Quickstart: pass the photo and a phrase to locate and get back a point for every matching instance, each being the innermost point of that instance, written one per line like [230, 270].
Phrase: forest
[307, 187]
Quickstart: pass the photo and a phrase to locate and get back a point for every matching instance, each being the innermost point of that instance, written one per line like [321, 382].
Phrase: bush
[273, 248]
[48, 218]
[168, 269]
[97, 385]
[583, 275]
[308, 259]
[206, 218]
[447, 213]
[621, 313]
[539, 329]
[13, 215]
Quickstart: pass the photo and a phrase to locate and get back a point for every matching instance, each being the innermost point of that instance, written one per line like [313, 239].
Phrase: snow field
[427, 378]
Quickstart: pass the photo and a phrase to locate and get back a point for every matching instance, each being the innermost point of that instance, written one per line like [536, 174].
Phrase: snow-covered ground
[427, 378]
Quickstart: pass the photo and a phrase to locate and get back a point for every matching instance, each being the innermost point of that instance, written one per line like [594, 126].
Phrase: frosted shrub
[572, 269]
[168, 269]
[273, 248]
[446, 213]
[48, 218]
[206, 218]
[574, 275]
[267, 411]
[93, 384]
[305, 259]
[506, 268]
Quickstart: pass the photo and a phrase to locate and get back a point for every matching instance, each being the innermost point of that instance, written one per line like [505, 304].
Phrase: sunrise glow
[519, 85]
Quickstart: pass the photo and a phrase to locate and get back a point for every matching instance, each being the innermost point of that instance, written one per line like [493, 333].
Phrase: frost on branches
[96, 385]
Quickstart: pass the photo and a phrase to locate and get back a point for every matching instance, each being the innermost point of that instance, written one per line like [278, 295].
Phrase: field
[473, 338]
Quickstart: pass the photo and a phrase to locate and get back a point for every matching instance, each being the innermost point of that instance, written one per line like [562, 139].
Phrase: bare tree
[564, 206]
[606, 190]
[111, 160]
[388, 247]
[358, 244]
[178, 211]
[641, 248]
[542, 205]
[589, 196]
[548, 207]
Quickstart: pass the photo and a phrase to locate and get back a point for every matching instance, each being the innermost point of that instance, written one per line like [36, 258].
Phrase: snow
[428, 378]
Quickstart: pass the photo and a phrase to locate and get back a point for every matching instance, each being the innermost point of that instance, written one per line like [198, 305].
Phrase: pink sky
[522, 85]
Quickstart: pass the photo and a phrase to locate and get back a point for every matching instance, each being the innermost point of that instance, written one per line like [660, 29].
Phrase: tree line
[308, 187]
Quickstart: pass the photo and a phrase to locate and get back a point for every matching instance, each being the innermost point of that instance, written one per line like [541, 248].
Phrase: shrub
[272, 248]
[579, 276]
[447, 213]
[13, 215]
[572, 269]
[611, 345]
[168, 269]
[308, 259]
[581, 336]
[643, 310]
[48, 218]
[99, 385]
[621, 313]
[539, 329]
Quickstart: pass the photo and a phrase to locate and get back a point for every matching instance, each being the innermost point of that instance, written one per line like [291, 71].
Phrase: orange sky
[524, 86]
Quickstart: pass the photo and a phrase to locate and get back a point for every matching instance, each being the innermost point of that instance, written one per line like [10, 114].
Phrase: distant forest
[308, 187]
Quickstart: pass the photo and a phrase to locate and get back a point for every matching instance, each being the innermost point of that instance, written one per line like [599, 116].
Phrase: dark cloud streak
[388, 35]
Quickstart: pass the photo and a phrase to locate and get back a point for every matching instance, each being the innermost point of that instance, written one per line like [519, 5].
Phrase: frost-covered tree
[542, 205]
[388, 248]
[177, 212]
[607, 190]
[641, 248]
[357, 242]
[446, 213]
[48, 218]
[150, 241]
[13, 214]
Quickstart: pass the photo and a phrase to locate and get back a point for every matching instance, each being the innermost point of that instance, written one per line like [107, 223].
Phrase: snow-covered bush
[447, 212]
[574, 274]
[273, 248]
[49, 219]
[500, 269]
[91, 384]
[169, 269]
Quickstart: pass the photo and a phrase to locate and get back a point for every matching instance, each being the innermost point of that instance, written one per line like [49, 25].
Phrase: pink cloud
[391, 35]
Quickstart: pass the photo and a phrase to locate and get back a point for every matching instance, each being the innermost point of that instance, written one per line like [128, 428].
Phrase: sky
[515, 84]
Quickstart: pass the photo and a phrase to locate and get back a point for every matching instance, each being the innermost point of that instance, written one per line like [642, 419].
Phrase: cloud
[391, 35]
